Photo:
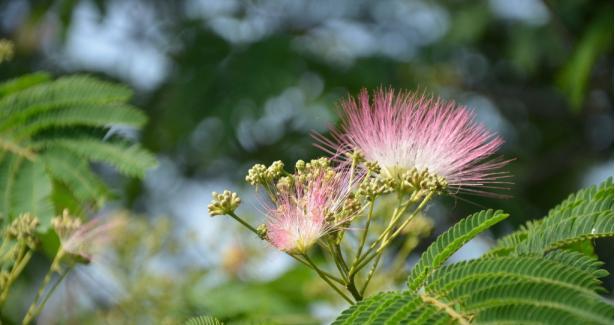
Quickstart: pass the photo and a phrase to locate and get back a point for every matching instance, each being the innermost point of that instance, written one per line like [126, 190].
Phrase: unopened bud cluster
[65, 224]
[372, 167]
[260, 174]
[352, 205]
[284, 184]
[373, 187]
[262, 231]
[225, 203]
[355, 156]
[257, 175]
[276, 170]
[23, 229]
[314, 168]
[421, 181]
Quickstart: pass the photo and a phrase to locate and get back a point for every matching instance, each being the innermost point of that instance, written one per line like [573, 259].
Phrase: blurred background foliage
[228, 83]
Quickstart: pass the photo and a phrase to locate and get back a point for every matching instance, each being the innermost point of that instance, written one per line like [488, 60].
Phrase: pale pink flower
[300, 216]
[402, 131]
[90, 238]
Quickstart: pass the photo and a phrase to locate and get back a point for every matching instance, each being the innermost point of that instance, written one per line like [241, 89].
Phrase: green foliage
[51, 130]
[203, 320]
[393, 308]
[275, 302]
[587, 214]
[449, 242]
[532, 276]
[596, 40]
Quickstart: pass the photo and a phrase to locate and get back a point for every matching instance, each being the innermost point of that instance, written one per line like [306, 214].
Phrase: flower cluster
[412, 146]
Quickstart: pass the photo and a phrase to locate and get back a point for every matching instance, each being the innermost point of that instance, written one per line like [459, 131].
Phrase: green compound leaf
[449, 242]
[50, 132]
[585, 215]
[532, 277]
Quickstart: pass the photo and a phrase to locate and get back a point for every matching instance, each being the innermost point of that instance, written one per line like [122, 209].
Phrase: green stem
[33, 310]
[353, 290]
[371, 254]
[21, 262]
[3, 248]
[365, 231]
[405, 223]
[326, 279]
[329, 275]
[340, 257]
[244, 223]
[371, 273]
[343, 272]
[399, 210]
[51, 290]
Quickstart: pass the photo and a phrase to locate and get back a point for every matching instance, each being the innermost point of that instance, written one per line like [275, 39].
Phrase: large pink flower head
[312, 207]
[407, 131]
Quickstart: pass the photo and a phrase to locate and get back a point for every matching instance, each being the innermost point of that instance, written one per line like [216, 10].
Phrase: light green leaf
[31, 193]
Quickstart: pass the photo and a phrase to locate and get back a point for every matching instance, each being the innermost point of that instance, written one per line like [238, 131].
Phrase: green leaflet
[449, 279]
[521, 315]
[31, 193]
[203, 320]
[584, 308]
[95, 115]
[23, 82]
[130, 159]
[66, 90]
[73, 171]
[584, 215]
[449, 242]
[391, 308]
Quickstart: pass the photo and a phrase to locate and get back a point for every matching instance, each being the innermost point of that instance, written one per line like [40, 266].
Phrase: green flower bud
[262, 231]
[421, 181]
[373, 167]
[284, 184]
[257, 175]
[275, 171]
[356, 156]
[300, 166]
[23, 229]
[65, 224]
[225, 203]
[374, 187]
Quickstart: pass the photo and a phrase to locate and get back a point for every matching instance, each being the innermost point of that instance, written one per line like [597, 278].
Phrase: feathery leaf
[449, 242]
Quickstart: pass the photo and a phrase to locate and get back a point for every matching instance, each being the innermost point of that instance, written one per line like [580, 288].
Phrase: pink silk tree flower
[312, 208]
[84, 241]
[404, 131]
[90, 238]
